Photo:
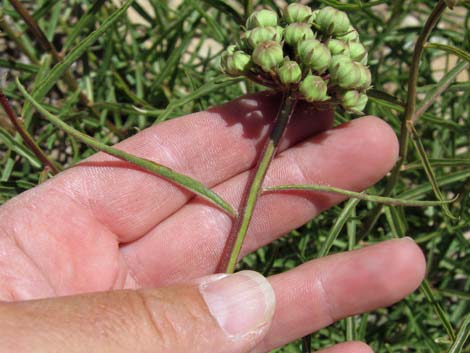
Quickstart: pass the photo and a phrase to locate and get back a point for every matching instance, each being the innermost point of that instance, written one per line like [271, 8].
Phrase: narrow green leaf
[19, 148]
[16, 65]
[216, 84]
[360, 195]
[386, 100]
[338, 226]
[462, 54]
[160, 170]
[462, 336]
[427, 291]
[444, 180]
[428, 169]
[59, 69]
[222, 6]
[439, 88]
[441, 162]
[351, 7]
[84, 22]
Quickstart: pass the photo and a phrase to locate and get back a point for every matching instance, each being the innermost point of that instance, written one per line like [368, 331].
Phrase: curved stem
[239, 229]
[409, 110]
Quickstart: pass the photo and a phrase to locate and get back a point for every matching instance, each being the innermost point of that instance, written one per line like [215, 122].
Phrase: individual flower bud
[314, 54]
[235, 64]
[357, 52]
[313, 16]
[351, 35]
[347, 74]
[262, 18]
[313, 89]
[296, 32]
[332, 21]
[289, 72]
[337, 47]
[297, 13]
[365, 79]
[354, 101]
[338, 59]
[262, 34]
[268, 55]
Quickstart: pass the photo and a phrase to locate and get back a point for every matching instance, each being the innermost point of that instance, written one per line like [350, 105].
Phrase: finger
[189, 244]
[226, 314]
[323, 291]
[129, 202]
[350, 347]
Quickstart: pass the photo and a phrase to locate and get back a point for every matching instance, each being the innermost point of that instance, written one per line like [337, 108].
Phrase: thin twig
[27, 138]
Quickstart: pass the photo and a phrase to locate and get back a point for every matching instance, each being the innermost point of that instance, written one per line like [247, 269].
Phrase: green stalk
[360, 195]
[239, 229]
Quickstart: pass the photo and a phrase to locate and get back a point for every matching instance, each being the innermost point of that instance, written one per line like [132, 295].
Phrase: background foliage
[159, 60]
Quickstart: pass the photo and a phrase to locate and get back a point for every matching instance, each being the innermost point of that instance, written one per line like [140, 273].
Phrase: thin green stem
[409, 111]
[239, 229]
[27, 138]
[360, 195]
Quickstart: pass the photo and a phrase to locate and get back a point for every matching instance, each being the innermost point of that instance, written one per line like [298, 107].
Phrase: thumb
[218, 313]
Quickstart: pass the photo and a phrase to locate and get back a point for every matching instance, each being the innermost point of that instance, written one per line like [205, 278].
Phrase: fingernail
[241, 303]
[409, 239]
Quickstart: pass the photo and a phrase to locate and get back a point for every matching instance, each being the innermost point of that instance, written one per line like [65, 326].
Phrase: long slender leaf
[429, 171]
[338, 226]
[359, 195]
[462, 336]
[462, 54]
[84, 21]
[160, 170]
[443, 318]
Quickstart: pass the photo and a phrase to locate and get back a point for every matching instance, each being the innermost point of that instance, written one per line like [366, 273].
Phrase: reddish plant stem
[27, 138]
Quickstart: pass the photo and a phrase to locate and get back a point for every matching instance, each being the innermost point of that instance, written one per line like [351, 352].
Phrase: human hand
[105, 225]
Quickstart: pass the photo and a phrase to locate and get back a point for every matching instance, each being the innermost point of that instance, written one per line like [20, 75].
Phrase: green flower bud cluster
[315, 54]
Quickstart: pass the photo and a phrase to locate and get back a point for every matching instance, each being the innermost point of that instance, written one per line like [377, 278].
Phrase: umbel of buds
[315, 55]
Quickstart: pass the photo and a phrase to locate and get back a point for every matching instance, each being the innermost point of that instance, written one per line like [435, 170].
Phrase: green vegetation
[108, 71]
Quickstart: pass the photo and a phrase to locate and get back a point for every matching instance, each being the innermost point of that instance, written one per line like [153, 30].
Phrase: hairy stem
[239, 229]
[27, 138]
[409, 111]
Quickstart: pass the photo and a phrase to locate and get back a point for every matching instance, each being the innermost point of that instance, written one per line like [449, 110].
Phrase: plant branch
[27, 138]
[409, 111]
[239, 229]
